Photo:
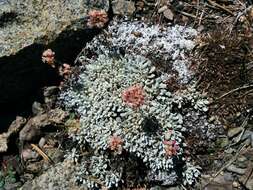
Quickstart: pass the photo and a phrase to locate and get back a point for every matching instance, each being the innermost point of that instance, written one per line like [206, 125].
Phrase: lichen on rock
[41, 21]
[27, 28]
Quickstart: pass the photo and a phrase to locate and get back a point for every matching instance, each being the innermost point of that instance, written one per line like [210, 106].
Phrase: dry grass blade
[221, 7]
[248, 177]
[40, 152]
[188, 14]
[235, 90]
[227, 164]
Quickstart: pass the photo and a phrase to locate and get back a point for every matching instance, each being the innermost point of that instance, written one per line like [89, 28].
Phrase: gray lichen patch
[40, 21]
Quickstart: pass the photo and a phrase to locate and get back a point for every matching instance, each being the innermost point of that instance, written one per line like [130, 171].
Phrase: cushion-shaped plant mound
[126, 112]
[167, 45]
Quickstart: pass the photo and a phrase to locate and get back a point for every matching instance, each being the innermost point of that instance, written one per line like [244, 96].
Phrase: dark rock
[57, 116]
[32, 129]
[42, 142]
[50, 96]
[248, 135]
[30, 132]
[50, 91]
[168, 14]
[34, 167]
[28, 154]
[3, 142]
[234, 131]
[7, 12]
[14, 128]
[27, 177]
[249, 184]
[235, 169]
[217, 183]
[228, 176]
[56, 154]
[241, 162]
[216, 186]
[17, 124]
[12, 186]
[37, 108]
[222, 142]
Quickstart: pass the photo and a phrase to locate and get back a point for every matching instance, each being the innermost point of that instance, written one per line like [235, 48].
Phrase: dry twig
[227, 164]
[248, 177]
[220, 6]
[40, 152]
[188, 14]
[243, 125]
[235, 90]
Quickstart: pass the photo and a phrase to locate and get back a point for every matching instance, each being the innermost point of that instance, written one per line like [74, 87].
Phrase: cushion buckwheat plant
[128, 115]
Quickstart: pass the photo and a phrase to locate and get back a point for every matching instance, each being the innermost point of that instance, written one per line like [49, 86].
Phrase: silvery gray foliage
[103, 114]
[96, 95]
[170, 44]
[190, 174]
[98, 166]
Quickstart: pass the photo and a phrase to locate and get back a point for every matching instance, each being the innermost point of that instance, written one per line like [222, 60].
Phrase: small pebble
[42, 142]
[37, 108]
[228, 176]
[236, 184]
[28, 154]
[234, 131]
[235, 169]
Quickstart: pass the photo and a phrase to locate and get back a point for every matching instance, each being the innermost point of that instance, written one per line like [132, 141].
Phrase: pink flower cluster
[134, 96]
[65, 70]
[97, 19]
[171, 148]
[48, 57]
[115, 144]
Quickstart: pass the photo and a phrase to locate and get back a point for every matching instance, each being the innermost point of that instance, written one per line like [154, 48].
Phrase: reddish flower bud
[97, 19]
[115, 144]
[171, 148]
[48, 57]
[65, 70]
[134, 96]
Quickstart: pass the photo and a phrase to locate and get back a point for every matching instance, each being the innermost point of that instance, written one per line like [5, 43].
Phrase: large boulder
[27, 28]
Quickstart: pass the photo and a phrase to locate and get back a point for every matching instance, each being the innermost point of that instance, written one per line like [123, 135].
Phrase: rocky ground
[34, 128]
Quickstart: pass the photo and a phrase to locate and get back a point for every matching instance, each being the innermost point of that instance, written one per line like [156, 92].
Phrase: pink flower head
[97, 19]
[65, 70]
[115, 144]
[171, 148]
[134, 96]
[48, 57]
